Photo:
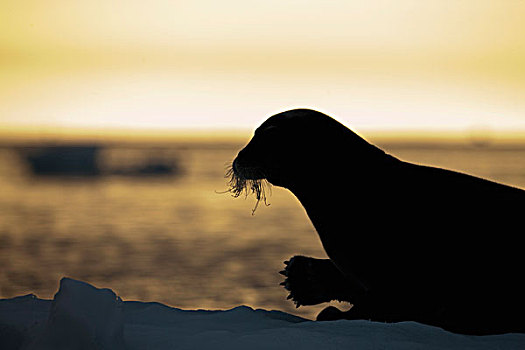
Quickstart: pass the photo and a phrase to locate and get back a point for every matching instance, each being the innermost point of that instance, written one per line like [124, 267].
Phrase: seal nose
[234, 166]
[239, 160]
[245, 166]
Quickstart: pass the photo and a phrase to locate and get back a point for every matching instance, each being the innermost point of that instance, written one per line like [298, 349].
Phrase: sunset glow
[163, 65]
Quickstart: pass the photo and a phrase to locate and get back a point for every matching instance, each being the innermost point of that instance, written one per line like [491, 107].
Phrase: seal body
[405, 242]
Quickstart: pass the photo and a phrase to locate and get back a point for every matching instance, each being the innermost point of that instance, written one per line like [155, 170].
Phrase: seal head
[291, 144]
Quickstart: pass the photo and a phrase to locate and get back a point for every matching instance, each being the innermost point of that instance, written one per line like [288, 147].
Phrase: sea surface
[176, 238]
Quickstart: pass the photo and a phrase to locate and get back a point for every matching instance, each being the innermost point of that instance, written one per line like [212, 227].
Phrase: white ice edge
[83, 316]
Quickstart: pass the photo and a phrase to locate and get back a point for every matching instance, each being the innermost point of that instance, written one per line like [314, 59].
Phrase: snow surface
[84, 317]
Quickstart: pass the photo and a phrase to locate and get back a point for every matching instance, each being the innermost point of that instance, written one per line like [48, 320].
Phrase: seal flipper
[313, 281]
[331, 313]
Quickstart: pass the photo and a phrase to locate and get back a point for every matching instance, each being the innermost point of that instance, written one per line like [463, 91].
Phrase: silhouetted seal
[406, 242]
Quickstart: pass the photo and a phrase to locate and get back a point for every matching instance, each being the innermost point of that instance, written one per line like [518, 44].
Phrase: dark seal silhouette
[405, 242]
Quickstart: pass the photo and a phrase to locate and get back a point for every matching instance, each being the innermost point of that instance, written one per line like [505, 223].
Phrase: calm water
[174, 239]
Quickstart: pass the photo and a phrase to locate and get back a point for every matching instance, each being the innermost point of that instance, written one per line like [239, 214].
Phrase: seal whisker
[239, 184]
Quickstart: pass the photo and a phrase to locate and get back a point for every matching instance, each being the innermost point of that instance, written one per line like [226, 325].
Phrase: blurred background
[117, 119]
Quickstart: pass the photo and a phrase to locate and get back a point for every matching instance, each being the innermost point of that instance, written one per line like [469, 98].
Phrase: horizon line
[96, 134]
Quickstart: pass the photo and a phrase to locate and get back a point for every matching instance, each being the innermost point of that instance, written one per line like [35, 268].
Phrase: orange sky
[162, 65]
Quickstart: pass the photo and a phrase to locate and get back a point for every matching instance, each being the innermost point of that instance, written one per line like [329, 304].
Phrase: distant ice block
[82, 317]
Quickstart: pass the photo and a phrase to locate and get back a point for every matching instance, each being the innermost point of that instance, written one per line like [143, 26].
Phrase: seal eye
[271, 129]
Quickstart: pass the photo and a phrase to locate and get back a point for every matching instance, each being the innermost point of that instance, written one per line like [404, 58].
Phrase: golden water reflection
[175, 239]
